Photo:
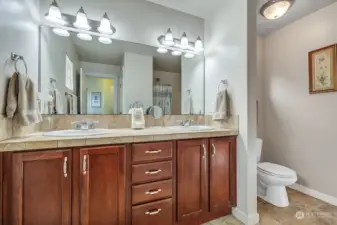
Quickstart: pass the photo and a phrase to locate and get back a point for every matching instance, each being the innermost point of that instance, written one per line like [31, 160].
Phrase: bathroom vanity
[178, 178]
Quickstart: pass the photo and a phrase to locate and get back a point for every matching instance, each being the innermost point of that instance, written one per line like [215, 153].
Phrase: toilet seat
[275, 170]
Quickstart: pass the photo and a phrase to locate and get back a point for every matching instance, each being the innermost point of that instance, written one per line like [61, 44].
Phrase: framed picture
[322, 70]
[96, 100]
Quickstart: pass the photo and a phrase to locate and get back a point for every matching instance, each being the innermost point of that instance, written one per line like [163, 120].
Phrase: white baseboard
[324, 197]
[251, 219]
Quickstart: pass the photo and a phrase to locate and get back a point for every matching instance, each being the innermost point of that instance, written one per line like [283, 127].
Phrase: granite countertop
[37, 141]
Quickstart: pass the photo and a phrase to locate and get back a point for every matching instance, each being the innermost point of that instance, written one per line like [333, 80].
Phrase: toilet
[272, 180]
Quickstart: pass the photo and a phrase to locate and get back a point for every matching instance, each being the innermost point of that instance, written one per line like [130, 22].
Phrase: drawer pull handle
[153, 212]
[65, 161]
[152, 172]
[214, 150]
[153, 151]
[153, 192]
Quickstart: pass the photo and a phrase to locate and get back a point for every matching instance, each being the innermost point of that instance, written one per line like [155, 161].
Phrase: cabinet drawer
[151, 151]
[151, 172]
[151, 192]
[154, 213]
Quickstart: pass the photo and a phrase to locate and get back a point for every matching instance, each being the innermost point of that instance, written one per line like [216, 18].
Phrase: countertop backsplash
[10, 129]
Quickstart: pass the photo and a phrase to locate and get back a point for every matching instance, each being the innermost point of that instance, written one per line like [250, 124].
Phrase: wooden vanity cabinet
[38, 190]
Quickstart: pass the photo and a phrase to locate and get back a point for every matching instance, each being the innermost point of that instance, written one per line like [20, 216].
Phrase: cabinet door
[102, 186]
[192, 179]
[41, 188]
[220, 175]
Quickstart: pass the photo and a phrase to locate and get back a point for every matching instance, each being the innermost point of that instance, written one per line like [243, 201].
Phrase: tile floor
[303, 210]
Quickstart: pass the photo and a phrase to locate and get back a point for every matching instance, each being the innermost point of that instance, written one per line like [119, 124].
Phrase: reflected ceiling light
[105, 40]
[105, 26]
[274, 9]
[189, 55]
[82, 20]
[168, 40]
[54, 14]
[162, 50]
[61, 32]
[199, 46]
[184, 41]
[176, 53]
[84, 37]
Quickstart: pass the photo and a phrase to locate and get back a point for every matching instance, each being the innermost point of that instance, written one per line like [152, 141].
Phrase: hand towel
[58, 101]
[222, 106]
[69, 103]
[21, 100]
[74, 109]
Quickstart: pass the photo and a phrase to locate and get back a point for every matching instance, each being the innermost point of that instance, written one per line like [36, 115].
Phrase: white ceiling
[206, 8]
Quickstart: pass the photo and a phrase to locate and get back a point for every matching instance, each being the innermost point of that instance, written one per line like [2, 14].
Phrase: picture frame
[96, 99]
[323, 70]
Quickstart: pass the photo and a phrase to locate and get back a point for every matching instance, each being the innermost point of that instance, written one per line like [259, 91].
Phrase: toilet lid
[275, 170]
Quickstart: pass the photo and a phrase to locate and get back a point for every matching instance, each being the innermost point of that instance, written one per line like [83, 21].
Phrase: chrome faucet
[84, 124]
[186, 123]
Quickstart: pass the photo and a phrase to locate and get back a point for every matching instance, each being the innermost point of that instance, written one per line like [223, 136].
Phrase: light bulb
[105, 40]
[189, 55]
[275, 9]
[84, 37]
[176, 53]
[105, 26]
[162, 50]
[199, 46]
[61, 32]
[54, 14]
[168, 40]
[184, 41]
[82, 20]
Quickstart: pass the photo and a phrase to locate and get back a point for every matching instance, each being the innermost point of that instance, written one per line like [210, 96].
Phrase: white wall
[192, 78]
[137, 21]
[300, 129]
[230, 54]
[137, 80]
[173, 79]
[53, 64]
[19, 33]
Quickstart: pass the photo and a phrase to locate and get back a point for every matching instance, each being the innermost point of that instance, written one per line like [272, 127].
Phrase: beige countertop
[37, 141]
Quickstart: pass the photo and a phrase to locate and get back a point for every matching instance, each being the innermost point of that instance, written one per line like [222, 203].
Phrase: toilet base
[276, 195]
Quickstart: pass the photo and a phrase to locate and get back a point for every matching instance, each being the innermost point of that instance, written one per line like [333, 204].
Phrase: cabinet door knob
[214, 150]
[204, 151]
[153, 212]
[153, 192]
[65, 164]
[152, 172]
[84, 164]
[153, 151]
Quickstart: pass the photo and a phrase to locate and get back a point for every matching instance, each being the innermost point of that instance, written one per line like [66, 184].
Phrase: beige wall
[299, 128]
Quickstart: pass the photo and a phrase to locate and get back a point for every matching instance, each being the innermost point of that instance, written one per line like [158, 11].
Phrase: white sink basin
[77, 133]
[191, 128]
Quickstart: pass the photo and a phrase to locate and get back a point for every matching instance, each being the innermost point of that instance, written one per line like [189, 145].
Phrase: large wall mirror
[80, 75]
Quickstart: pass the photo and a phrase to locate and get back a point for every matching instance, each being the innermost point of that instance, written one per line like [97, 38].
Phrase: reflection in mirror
[156, 112]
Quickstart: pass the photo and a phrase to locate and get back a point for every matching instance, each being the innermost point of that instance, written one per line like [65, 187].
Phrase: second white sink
[191, 128]
[76, 133]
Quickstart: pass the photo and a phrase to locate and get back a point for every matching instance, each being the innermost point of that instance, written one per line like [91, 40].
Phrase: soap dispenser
[137, 118]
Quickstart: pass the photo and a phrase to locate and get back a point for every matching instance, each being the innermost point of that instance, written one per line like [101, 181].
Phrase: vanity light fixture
[84, 37]
[61, 32]
[105, 40]
[82, 20]
[199, 46]
[54, 14]
[176, 53]
[189, 55]
[105, 25]
[162, 50]
[168, 40]
[184, 41]
[274, 9]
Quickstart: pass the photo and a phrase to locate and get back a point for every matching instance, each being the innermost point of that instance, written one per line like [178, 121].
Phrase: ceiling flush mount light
[176, 53]
[184, 41]
[198, 45]
[168, 40]
[105, 26]
[61, 32]
[105, 40]
[82, 20]
[189, 55]
[274, 9]
[162, 50]
[84, 37]
[54, 14]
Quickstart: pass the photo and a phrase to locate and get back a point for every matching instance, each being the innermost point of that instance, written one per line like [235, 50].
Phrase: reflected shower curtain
[162, 97]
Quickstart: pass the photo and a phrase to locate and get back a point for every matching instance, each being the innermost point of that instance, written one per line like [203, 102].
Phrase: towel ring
[15, 58]
[223, 82]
